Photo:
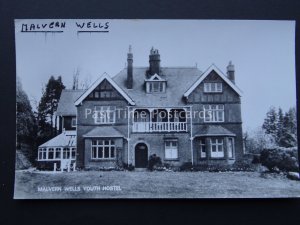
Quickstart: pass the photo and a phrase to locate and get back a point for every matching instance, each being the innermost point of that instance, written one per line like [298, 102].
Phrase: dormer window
[155, 84]
[156, 87]
[215, 87]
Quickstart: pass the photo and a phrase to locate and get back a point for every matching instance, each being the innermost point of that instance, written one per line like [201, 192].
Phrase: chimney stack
[230, 72]
[154, 62]
[129, 68]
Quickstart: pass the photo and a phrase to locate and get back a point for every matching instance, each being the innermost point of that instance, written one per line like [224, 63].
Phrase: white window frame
[161, 86]
[202, 144]
[230, 156]
[73, 152]
[104, 114]
[171, 149]
[213, 87]
[58, 150]
[100, 145]
[214, 113]
[74, 122]
[218, 143]
[53, 153]
[43, 154]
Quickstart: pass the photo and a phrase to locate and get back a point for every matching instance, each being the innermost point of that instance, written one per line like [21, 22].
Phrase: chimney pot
[230, 72]
[154, 62]
[129, 68]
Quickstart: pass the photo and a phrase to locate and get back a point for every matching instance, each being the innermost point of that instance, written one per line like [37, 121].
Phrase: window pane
[168, 153]
[213, 87]
[73, 153]
[220, 148]
[94, 152]
[174, 153]
[51, 153]
[58, 153]
[205, 87]
[230, 147]
[112, 153]
[214, 148]
[100, 152]
[44, 155]
[220, 116]
[106, 152]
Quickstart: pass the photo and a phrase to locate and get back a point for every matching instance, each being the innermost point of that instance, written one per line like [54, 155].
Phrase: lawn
[123, 184]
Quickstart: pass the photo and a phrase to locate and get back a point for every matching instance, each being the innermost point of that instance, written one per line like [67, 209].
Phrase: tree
[280, 129]
[75, 79]
[289, 130]
[270, 122]
[282, 126]
[26, 127]
[256, 140]
[79, 83]
[47, 106]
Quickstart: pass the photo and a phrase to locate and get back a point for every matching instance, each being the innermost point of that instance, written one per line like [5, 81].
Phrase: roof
[213, 130]
[206, 73]
[65, 139]
[66, 106]
[179, 79]
[97, 82]
[103, 132]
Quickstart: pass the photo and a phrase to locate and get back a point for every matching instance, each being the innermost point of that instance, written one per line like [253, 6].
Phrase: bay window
[202, 148]
[216, 147]
[103, 149]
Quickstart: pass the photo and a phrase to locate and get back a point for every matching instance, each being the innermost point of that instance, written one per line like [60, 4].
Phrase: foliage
[26, 124]
[25, 117]
[46, 108]
[256, 140]
[128, 167]
[270, 122]
[187, 166]
[154, 161]
[283, 159]
[281, 126]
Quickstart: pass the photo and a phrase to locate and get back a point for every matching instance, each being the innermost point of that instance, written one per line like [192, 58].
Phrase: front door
[141, 155]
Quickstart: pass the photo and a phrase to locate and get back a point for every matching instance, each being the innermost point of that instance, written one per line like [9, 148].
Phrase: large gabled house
[180, 114]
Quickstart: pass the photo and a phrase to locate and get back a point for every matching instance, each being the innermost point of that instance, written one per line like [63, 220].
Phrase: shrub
[129, 167]
[285, 159]
[154, 161]
[187, 166]
[256, 159]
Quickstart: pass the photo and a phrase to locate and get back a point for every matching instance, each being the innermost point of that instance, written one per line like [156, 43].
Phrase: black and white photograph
[155, 108]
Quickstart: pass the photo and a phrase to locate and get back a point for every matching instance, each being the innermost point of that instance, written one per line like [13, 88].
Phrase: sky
[263, 53]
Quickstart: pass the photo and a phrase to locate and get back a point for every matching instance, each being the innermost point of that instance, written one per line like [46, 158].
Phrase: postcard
[112, 108]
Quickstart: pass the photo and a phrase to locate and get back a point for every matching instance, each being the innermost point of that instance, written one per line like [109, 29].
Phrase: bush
[129, 167]
[284, 159]
[187, 166]
[154, 161]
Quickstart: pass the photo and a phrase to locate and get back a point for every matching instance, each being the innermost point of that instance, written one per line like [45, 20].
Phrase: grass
[155, 185]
